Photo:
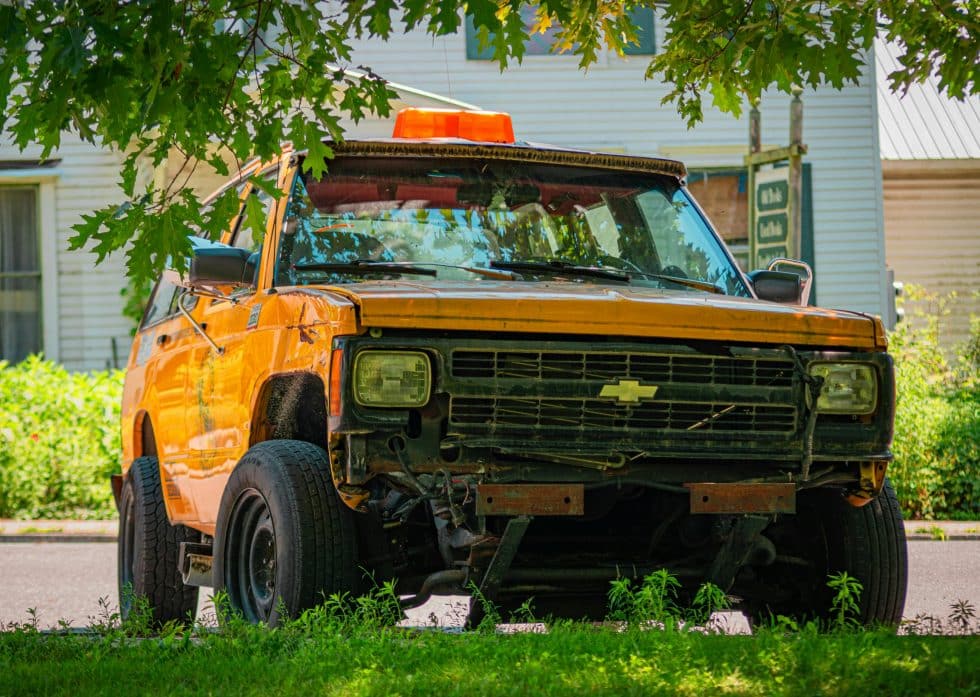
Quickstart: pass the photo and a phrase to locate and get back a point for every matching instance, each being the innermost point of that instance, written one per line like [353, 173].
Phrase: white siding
[88, 299]
[612, 107]
[932, 228]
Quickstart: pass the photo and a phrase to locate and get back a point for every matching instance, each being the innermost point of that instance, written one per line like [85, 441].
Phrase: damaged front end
[523, 467]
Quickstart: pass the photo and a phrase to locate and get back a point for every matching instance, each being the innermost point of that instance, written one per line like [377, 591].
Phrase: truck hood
[592, 309]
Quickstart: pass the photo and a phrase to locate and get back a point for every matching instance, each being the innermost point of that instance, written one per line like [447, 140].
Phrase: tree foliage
[221, 81]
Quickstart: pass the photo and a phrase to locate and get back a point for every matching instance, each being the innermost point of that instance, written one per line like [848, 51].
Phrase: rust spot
[742, 498]
[354, 497]
[530, 499]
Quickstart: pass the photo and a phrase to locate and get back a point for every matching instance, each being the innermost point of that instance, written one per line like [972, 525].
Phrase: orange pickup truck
[457, 361]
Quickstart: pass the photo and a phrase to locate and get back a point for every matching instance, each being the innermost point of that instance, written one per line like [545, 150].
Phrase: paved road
[67, 580]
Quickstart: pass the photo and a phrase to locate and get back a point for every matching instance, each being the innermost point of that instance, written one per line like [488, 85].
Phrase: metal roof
[923, 124]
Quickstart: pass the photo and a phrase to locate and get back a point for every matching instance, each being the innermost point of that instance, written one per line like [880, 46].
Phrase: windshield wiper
[690, 283]
[560, 267]
[366, 266]
[501, 275]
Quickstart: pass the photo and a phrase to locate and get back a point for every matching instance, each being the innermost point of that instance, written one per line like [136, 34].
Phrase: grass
[40, 530]
[934, 531]
[348, 646]
[569, 659]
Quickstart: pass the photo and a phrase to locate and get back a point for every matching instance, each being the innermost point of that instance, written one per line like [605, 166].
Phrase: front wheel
[828, 536]
[284, 540]
[148, 548]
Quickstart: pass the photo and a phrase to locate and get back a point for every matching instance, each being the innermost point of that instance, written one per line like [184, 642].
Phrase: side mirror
[777, 286]
[219, 265]
[774, 284]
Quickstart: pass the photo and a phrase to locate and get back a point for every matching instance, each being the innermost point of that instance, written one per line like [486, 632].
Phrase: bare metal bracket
[504, 556]
[798, 266]
[200, 329]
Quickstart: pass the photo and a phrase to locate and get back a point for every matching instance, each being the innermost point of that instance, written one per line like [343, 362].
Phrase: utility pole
[796, 148]
[776, 192]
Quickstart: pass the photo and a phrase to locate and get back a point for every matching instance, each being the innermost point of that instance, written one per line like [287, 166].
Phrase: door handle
[162, 339]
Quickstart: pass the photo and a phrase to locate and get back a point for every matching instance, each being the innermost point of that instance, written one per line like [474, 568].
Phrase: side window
[239, 187]
[162, 302]
[250, 232]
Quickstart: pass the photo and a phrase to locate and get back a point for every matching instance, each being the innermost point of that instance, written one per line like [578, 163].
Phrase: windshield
[536, 222]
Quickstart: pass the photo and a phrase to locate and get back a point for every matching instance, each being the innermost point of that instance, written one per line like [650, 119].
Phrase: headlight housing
[398, 379]
[848, 388]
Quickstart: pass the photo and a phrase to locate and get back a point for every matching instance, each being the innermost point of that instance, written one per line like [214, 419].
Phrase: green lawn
[568, 660]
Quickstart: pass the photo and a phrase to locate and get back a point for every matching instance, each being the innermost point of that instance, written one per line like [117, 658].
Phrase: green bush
[936, 472]
[59, 440]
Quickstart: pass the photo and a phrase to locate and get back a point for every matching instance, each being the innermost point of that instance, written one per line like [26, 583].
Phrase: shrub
[936, 472]
[59, 440]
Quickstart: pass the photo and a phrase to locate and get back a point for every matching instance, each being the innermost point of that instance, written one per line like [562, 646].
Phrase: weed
[962, 615]
[708, 600]
[525, 613]
[845, 610]
[138, 621]
[374, 611]
[621, 600]
[108, 619]
[922, 625]
[488, 613]
[781, 624]
[654, 599]
[32, 623]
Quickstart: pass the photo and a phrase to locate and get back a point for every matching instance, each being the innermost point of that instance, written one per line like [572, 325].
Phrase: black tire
[867, 542]
[284, 540]
[148, 549]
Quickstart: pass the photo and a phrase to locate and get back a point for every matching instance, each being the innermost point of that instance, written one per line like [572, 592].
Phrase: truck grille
[526, 393]
[646, 367]
[605, 417]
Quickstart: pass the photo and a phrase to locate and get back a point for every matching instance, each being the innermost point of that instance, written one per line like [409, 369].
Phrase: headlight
[392, 379]
[848, 388]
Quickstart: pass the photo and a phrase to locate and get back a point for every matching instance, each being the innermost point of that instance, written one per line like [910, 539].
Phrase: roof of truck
[519, 150]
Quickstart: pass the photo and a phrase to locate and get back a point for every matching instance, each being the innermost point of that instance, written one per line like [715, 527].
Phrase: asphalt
[106, 530]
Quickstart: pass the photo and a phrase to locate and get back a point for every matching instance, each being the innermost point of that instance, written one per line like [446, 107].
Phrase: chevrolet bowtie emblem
[629, 391]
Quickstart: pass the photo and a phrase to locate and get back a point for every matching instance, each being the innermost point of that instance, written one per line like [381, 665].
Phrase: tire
[284, 540]
[148, 549]
[868, 543]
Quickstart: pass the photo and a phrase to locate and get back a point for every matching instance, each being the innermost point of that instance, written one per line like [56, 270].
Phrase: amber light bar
[482, 126]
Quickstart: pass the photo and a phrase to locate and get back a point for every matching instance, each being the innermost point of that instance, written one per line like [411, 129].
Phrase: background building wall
[932, 219]
[81, 301]
[930, 150]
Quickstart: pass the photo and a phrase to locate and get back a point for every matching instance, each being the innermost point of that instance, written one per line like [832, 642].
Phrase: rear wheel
[148, 548]
[829, 536]
[284, 540]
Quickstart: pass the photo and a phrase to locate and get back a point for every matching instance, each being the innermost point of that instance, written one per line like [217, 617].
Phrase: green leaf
[255, 217]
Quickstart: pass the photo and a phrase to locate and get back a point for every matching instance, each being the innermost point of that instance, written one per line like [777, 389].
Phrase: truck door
[221, 384]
